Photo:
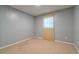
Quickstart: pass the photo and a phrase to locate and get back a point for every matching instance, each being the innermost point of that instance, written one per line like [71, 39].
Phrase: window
[48, 22]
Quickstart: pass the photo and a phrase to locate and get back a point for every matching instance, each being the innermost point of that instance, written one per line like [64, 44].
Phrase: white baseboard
[76, 47]
[17, 42]
[70, 43]
[39, 37]
[63, 42]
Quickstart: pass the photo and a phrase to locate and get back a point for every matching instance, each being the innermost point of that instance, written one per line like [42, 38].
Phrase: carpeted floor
[39, 46]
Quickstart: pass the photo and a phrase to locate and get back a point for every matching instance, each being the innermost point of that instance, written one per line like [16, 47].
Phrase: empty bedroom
[46, 29]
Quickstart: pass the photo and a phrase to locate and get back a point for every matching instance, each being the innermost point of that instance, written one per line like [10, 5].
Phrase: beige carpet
[40, 46]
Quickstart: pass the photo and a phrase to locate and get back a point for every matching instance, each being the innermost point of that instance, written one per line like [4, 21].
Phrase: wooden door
[48, 28]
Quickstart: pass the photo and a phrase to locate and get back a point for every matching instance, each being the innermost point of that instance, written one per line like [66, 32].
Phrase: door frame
[53, 25]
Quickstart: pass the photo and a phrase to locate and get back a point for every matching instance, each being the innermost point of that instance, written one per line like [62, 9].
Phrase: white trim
[76, 47]
[39, 37]
[69, 43]
[63, 42]
[17, 42]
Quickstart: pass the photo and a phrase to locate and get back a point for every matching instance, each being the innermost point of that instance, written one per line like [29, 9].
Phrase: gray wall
[14, 25]
[76, 25]
[63, 25]
[38, 25]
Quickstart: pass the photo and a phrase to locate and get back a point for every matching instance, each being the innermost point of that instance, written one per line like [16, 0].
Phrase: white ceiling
[42, 9]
